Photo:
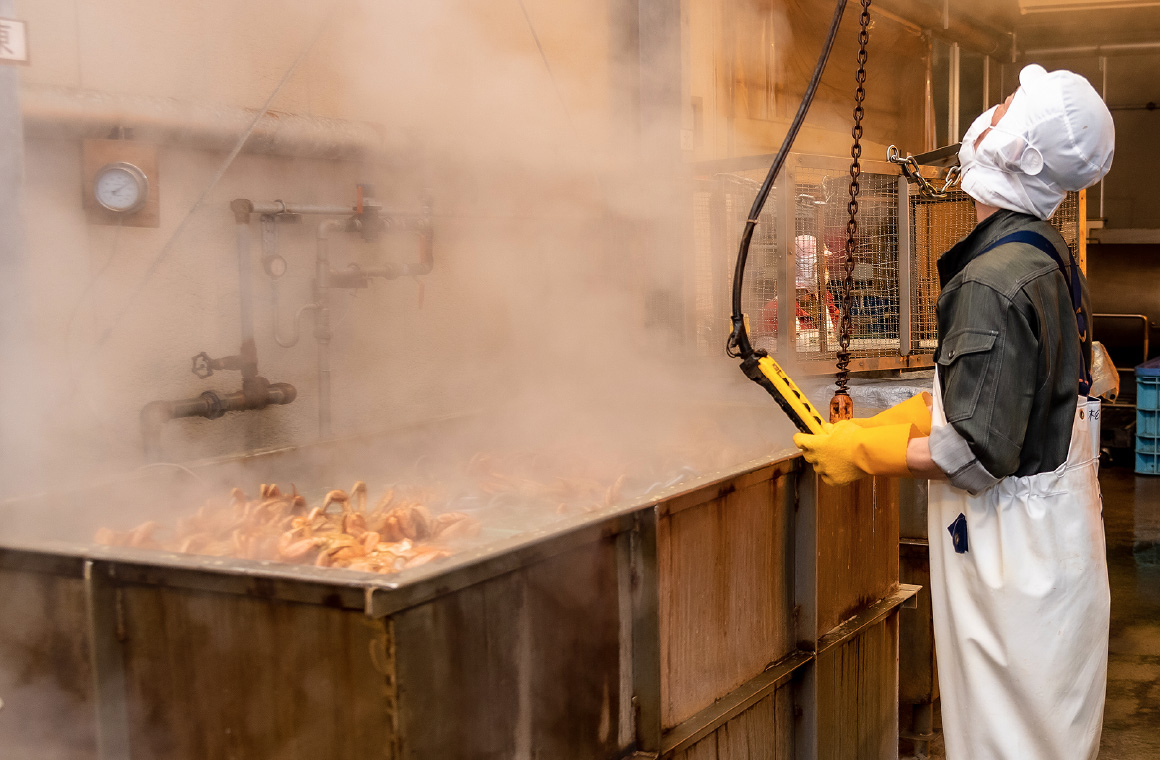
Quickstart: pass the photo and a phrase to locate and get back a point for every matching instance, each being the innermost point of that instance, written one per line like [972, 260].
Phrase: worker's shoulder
[1011, 267]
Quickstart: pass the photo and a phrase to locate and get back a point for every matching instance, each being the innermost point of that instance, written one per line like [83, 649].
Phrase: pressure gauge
[121, 187]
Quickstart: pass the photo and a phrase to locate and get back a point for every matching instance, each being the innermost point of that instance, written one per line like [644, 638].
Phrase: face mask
[978, 126]
[1002, 149]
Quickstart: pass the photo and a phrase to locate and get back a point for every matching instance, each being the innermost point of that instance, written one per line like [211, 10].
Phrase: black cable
[738, 345]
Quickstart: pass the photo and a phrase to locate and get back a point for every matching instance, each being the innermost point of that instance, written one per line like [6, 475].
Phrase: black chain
[846, 327]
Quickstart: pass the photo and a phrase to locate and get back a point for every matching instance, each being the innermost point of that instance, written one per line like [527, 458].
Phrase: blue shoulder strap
[1070, 272]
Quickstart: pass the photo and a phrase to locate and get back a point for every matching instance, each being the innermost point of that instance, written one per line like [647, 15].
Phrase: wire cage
[795, 260]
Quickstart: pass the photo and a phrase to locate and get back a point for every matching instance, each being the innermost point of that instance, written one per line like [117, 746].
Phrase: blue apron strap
[1070, 272]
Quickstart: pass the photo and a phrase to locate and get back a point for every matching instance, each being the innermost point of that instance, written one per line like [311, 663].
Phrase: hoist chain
[910, 168]
[841, 408]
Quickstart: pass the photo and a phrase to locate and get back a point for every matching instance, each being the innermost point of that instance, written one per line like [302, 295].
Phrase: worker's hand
[914, 411]
[849, 451]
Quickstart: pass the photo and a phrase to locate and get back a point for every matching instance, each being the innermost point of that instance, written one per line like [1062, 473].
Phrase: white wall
[466, 81]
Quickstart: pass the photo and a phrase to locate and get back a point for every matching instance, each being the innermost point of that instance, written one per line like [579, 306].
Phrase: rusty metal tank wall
[749, 614]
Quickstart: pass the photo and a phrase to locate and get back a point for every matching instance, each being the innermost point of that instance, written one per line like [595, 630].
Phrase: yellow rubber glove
[850, 451]
[914, 411]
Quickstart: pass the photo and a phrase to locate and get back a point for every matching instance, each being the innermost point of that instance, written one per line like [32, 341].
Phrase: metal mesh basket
[822, 195]
[797, 252]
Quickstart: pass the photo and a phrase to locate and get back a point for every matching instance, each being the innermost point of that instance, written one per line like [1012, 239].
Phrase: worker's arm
[919, 462]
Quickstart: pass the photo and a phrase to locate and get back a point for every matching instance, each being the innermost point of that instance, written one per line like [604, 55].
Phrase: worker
[1009, 442]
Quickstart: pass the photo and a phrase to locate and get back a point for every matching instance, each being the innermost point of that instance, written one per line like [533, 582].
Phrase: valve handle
[201, 365]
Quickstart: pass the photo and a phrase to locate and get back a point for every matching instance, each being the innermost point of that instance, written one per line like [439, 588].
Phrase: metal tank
[747, 613]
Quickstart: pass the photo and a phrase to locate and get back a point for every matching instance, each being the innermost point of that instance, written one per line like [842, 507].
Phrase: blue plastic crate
[1148, 393]
[1147, 464]
[1147, 422]
[1150, 368]
[1146, 444]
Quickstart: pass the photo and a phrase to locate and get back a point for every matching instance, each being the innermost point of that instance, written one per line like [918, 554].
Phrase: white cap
[1057, 136]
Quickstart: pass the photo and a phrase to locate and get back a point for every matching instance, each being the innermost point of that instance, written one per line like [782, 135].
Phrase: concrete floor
[1132, 523]
[1132, 710]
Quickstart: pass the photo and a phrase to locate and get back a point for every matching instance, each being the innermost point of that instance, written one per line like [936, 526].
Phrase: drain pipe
[67, 113]
[366, 218]
[209, 405]
[257, 392]
[248, 352]
[322, 329]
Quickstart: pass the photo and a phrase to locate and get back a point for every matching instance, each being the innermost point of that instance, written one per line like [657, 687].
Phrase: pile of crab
[398, 533]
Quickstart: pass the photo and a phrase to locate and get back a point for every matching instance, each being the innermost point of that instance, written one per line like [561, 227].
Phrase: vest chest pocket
[964, 358]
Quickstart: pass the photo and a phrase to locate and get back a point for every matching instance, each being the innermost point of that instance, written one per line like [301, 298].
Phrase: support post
[905, 268]
[19, 375]
[646, 634]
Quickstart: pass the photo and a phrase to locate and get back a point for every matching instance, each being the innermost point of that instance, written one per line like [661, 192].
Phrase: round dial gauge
[121, 187]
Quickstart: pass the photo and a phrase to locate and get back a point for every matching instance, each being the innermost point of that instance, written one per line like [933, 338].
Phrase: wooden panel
[857, 547]
[523, 665]
[45, 672]
[706, 749]
[857, 696]
[763, 732]
[725, 576]
[212, 675]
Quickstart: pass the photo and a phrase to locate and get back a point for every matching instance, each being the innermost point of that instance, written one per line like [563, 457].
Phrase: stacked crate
[1148, 418]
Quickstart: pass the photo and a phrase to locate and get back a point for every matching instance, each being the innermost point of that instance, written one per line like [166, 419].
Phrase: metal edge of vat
[374, 594]
[701, 725]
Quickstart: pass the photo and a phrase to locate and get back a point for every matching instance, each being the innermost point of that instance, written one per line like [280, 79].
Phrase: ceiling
[1110, 26]
[1061, 23]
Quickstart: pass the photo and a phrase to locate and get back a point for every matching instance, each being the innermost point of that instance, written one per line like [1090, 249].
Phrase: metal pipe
[281, 207]
[210, 405]
[246, 301]
[959, 28]
[1104, 95]
[73, 114]
[297, 323]
[1149, 106]
[1120, 48]
[953, 133]
[276, 208]
[322, 328]
[322, 334]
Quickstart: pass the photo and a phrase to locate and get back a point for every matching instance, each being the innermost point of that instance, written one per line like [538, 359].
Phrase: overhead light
[1047, 6]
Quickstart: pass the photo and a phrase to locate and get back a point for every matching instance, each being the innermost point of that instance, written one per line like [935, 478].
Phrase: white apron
[1021, 617]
